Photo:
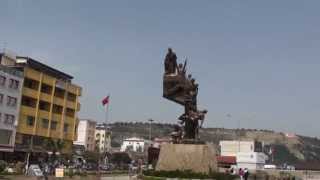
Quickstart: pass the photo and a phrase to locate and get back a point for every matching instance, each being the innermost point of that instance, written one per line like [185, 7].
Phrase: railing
[12, 71]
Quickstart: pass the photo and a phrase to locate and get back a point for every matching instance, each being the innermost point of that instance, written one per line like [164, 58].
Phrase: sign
[59, 172]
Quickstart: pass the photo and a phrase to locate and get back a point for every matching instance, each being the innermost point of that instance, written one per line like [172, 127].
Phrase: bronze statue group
[182, 89]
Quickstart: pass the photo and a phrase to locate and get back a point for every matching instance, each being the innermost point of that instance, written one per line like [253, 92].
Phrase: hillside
[287, 149]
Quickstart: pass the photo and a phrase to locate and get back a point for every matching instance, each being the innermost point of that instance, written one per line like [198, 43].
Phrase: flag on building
[105, 100]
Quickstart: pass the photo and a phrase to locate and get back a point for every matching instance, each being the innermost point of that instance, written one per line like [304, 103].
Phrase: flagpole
[107, 114]
[107, 110]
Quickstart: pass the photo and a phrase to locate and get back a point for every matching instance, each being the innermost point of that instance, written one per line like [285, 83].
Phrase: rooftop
[43, 68]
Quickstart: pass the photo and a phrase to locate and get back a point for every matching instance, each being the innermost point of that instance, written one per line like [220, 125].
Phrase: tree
[54, 145]
[92, 157]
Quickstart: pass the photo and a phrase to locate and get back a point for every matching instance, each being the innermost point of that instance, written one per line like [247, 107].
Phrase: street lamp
[150, 120]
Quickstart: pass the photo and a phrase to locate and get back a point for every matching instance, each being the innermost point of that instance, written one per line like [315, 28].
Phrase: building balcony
[44, 114]
[41, 131]
[68, 136]
[24, 128]
[32, 74]
[73, 88]
[55, 133]
[45, 97]
[69, 120]
[26, 110]
[30, 92]
[58, 101]
[56, 117]
[78, 107]
[48, 80]
[71, 105]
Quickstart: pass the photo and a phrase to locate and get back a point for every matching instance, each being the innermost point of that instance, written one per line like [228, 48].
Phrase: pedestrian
[241, 173]
[246, 174]
[46, 171]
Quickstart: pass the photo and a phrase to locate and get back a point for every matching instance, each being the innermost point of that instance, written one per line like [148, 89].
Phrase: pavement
[120, 178]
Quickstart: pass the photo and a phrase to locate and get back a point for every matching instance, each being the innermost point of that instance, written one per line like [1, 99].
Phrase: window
[28, 101]
[59, 92]
[70, 112]
[30, 83]
[9, 119]
[5, 136]
[1, 98]
[65, 127]
[2, 80]
[45, 88]
[54, 125]
[44, 106]
[71, 97]
[11, 101]
[57, 109]
[30, 120]
[13, 84]
[45, 123]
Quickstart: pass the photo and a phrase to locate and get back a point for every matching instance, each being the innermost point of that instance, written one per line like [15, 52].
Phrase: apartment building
[49, 106]
[103, 138]
[86, 134]
[11, 81]
[248, 154]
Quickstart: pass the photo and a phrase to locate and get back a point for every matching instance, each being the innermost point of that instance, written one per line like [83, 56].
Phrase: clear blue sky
[256, 60]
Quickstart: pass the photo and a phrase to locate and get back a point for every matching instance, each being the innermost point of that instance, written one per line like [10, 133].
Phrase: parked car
[34, 170]
[104, 167]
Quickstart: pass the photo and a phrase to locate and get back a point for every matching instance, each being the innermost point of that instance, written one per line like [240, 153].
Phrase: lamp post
[150, 124]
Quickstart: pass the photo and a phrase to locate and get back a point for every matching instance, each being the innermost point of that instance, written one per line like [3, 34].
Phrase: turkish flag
[105, 100]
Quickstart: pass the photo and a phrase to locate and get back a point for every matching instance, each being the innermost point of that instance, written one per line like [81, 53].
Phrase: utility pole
[150, 131]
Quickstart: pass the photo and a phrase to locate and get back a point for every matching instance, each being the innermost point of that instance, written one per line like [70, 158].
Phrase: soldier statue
[170, 62]
[183, 90]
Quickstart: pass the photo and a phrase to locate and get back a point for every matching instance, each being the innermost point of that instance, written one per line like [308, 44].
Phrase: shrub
[188, 174]
[3, 165]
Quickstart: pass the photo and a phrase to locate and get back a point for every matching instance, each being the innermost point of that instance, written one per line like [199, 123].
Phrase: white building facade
[103, 138]
[86, 134]
[248, 153]
[11, 82]
[251, 160]
[134, 144]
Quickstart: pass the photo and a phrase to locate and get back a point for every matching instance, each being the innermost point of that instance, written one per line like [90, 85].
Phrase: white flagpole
[107, 109]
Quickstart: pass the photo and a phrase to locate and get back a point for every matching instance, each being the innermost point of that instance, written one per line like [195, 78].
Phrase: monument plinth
[187, 152]
[195, 157]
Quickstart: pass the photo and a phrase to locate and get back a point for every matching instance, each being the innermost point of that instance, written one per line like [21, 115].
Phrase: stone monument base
[199, 158]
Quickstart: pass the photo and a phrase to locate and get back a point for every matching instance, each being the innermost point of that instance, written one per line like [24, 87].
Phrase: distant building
[157, 142]
[290, 135]
[49, 104]
[248, 154]
[86, 134]
[251, 160]
[103, 138]
[134, 144]
[11, 82]
[231, 148]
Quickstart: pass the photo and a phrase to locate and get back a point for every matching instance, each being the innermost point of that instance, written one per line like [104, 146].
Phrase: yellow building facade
[49, 105]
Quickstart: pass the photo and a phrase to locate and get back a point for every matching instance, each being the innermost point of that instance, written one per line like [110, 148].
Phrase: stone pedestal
[195, 157]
